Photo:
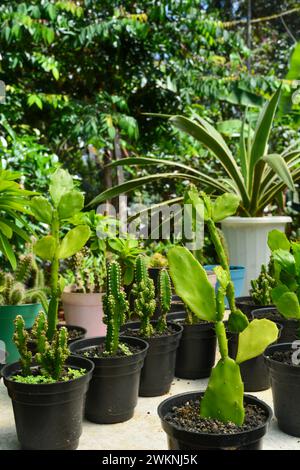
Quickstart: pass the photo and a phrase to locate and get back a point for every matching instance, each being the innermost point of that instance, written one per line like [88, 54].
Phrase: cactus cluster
[51, 356]
[87, 272]
[13, 289]
[115, 306]
[262, 287]
[143, 291]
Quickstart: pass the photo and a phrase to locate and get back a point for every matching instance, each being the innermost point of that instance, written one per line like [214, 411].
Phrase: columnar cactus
[50, 356]
[165, 298]
[144, 296]
[20, 339]
[115, 307]
[263, 285]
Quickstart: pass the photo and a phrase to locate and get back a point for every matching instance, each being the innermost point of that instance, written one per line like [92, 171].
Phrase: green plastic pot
[7, 315]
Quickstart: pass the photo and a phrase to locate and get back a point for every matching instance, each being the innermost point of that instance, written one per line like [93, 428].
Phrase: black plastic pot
[285, 382]
[255, 373]
[290, 327]
[196, 352]
[113, 390]
[179, 439]
[247, 305]
[49, 416]
[159, 366]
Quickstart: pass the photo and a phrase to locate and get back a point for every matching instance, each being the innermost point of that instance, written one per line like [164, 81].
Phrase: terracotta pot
[84, 310]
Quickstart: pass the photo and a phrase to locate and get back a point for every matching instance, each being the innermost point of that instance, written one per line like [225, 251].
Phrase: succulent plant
[262, 287]
[223, 398]
[143, 291]
[13, 289]
[51, 356]
[157, 260]
[165, 299]
[86, 273]
[115, 306]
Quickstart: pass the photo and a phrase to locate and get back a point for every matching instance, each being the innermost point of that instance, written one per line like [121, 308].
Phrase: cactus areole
[224, 396]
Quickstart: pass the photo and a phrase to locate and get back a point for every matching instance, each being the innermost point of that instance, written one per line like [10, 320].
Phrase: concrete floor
[142, 432]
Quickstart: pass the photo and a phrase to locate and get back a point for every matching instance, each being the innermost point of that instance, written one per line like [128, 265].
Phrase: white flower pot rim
[265, 220]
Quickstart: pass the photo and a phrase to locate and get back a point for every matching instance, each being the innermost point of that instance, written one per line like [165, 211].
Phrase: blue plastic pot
[237, 274]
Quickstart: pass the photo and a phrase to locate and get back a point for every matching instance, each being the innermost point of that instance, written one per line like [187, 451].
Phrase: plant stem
[218, 245]
[222, 339]
[53, 306]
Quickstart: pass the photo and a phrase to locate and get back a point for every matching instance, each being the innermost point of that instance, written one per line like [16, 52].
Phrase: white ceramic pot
[246, 238]
[84, 310]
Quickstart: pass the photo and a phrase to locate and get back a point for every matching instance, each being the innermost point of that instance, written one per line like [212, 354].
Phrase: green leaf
[70, 204]
[61, 182]
[225, 206]
[263, 129]
[45, 247]
[6, 229]
[286, 302]
[237, 321]
[280, 167]
[224, 397]
[285, 260]
[294, 68]
[7, 250]
[278, 240]
[254, 339]
[42, 209]
[191, 283]
[208, 136]
[74, 241]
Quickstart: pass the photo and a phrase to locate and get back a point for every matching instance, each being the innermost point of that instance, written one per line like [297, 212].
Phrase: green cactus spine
[144, 296]
[20, 339]
[263, 285]
[115, 307]
[165, 298]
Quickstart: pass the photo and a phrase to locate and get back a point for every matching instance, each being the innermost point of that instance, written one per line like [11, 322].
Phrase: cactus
[50, 356]
[13, 289]
[223, 398]
[263, 285]
[144, 296]
[20, 339]
[86, 273]
[115, 306]
[165, 298]
[157, 260]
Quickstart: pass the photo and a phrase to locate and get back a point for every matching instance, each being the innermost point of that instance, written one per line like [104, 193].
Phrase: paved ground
[142, 432]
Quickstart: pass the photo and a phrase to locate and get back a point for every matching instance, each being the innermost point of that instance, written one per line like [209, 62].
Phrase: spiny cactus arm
[37, 296]
[165, 298]
[39, 332]
[20, 339]
[16, 294]
[24, 268]
[60, 353]
[109, 307]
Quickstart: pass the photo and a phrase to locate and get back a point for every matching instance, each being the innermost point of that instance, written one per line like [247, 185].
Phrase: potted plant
[57, 211]
[16, 298]
[48, 392]
[283, 361]
[219, 418]
[260, 293]
[113, 391]
[162, 336]
[286, 292]
[82, 297]
[257, 179]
